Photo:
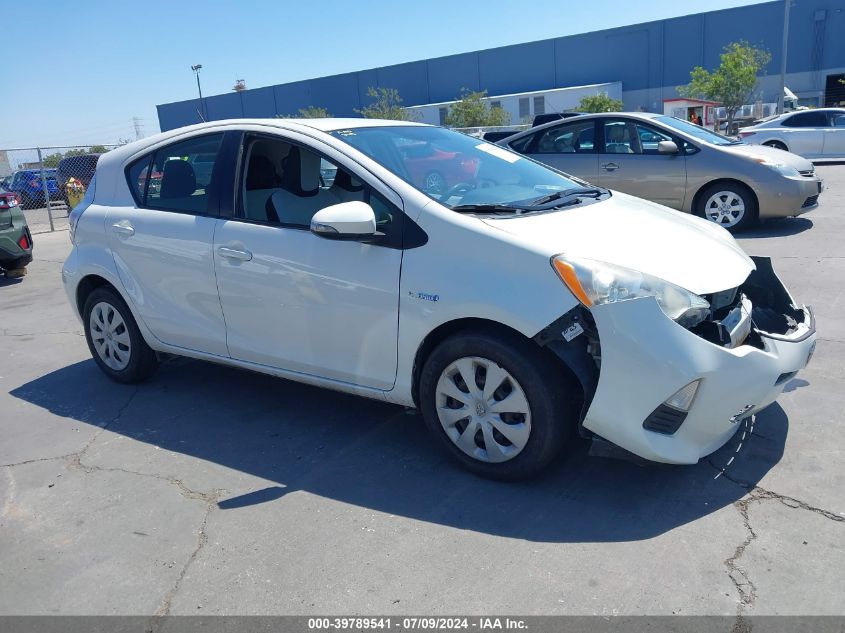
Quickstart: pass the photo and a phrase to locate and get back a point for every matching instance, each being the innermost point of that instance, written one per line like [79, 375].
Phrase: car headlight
[782, 168]
[595, 283]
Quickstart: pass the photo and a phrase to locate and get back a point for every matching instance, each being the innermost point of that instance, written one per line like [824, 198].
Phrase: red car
[434, 170]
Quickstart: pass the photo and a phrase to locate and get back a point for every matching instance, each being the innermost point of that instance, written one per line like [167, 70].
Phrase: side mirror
[345, 221]
[667, 147]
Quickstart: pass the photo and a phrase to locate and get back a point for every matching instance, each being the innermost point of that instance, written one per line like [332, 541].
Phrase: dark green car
[15, 238]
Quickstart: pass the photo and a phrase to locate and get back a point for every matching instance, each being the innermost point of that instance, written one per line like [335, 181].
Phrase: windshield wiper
[578, 192]
[489, 208]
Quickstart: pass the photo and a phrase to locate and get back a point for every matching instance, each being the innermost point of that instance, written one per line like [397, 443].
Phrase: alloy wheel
[483, 409]
[110, 336]
[434, 183]
[725, 208]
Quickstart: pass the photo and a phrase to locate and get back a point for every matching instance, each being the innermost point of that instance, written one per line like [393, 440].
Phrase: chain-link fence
[48, 181]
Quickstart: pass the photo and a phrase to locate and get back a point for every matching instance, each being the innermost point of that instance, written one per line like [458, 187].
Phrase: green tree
[311, 112]
[600, 103]
[387, 104]
[473, 110]
[97, 149]
[52, 160]
[732, 83]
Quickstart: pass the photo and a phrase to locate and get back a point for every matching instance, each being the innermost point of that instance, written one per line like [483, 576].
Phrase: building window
[496, 104]
[539, 105]
[524, 109]
[443, 113]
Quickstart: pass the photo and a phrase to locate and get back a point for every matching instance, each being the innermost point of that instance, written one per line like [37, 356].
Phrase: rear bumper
[12, 256]
[646, 357]
[8, 262]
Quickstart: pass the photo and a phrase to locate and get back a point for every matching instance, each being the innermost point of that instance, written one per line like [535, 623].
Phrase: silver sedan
[677, 164]
[815, 134]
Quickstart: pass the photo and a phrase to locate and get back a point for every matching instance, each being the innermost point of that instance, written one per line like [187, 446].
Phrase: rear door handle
[610, 166]
[124, 227]
[234, 253]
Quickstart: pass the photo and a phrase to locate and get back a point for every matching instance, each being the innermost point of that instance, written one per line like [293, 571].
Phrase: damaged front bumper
[645, 358]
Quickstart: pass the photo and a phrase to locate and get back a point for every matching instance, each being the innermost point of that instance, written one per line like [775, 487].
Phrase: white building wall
[555, 100]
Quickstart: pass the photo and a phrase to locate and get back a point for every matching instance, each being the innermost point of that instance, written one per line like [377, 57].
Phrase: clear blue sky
[90, 69]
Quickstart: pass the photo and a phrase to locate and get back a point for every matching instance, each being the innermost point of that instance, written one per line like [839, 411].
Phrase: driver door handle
[234, 253]
[610, 166]
[124, 227]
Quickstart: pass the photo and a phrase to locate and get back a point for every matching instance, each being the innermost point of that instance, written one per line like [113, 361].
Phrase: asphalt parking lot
[210, 490]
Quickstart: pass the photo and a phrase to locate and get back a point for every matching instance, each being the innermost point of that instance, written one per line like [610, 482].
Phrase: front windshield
[453, 168]
[701, 133]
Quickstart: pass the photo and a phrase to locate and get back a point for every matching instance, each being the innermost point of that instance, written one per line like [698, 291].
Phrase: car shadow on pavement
[780, 227]
[379, 456]
[9, 281]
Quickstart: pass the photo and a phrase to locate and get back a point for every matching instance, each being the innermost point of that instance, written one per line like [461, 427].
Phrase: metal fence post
[46, 191]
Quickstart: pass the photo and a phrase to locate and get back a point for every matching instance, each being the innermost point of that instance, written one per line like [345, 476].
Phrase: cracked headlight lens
[595, 283]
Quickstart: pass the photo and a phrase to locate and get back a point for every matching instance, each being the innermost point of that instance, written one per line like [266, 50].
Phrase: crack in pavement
[739, 575]
[76, 456]
[202, 539]
[6, 332]
[75, 461]
[38, 459]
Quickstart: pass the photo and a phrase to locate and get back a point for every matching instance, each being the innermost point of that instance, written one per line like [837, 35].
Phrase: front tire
[497, 404]
[730, 205]
[114, 339]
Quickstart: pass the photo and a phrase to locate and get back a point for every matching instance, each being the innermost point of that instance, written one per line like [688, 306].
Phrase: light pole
[197, 68]
[786, 4]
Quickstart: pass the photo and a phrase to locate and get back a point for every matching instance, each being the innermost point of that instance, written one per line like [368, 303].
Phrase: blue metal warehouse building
[650, 60]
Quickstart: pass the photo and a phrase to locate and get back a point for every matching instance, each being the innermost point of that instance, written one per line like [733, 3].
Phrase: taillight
[746, 134]
[24, 242]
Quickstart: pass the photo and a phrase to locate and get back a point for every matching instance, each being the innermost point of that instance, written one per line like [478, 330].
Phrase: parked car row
[512, 304]
[31, 188]
[33, 191]
[677, 164]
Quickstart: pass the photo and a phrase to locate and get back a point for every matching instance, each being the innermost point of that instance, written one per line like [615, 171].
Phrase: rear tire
[731, 205]
[114, 339]
[776, 145]
[514, 427]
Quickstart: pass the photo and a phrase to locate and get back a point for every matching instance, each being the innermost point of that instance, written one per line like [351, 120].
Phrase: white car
[815, 134]
[512, 308]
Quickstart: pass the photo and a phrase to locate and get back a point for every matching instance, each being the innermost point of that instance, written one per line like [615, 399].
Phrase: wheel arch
[728, 181]
[777, 140]
[87, 285]
[474, 325]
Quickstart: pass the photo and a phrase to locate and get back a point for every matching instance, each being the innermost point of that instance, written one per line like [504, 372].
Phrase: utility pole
[786, 7]
[197, 68]
[137, 123]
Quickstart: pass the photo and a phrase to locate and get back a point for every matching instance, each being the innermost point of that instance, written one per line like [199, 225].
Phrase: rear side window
[177, 177]
[806, 119]
[521, 144]
[572, 138]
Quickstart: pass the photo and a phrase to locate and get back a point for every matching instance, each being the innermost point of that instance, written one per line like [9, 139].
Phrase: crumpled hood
[685, 250]
[771, 154]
